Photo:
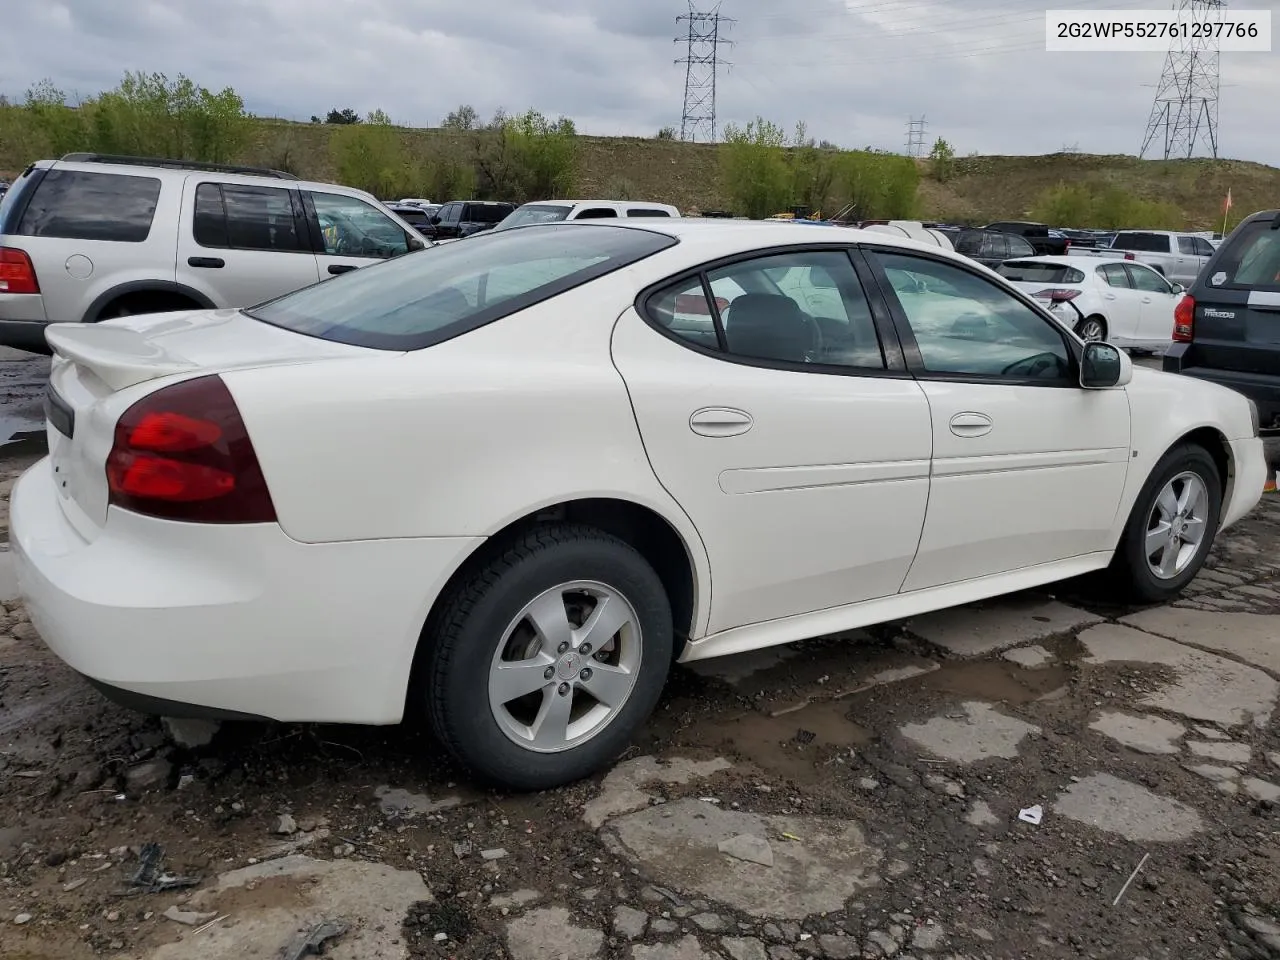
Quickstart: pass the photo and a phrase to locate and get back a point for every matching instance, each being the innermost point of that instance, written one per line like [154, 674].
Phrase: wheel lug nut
[585, 674]
[548, 673]
[585, 649]
[564, 688]
[562, 648]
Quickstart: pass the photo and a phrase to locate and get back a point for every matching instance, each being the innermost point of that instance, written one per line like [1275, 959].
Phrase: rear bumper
[1261, 388]
[1251, 474]
[22, 322]
[218, 621]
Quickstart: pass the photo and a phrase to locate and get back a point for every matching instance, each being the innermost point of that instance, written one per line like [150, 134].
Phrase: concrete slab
[676, 844]
[1234, 754]
[978, 733]
[549, 932]
[271, 903]
[1208, 687]
[1251, 637]
[622, 790]
[1224, 778]
[1132, 811]
[1261, 789]
[1030, 658]
[1152, 735]
[686, 948]
[978, 631]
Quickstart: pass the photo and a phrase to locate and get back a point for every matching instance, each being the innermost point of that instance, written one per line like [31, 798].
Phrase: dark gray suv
[1227, 327]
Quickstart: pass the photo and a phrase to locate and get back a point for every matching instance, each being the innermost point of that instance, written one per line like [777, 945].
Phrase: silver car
[90, 236]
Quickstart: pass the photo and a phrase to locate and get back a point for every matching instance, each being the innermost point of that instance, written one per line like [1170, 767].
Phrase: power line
[1185, 111]
[701, 62]
[915, 137]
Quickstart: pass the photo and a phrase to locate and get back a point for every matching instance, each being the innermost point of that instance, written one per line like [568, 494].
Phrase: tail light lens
[1057, 294]
[183, 453]
[1128, 256]
[17, 275]
[1184, 320]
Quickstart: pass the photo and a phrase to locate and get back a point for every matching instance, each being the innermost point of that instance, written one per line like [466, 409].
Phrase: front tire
[546, 661]
[1172, 527]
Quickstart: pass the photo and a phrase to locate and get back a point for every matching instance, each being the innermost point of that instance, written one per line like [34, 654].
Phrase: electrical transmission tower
[915, 137]
[1185, 112]
[701, 62]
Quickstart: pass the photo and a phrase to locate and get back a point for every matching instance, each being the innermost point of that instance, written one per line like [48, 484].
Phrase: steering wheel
[1035, 365]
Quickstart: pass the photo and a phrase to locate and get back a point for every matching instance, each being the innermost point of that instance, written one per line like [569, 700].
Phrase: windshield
[1023, 272]
[534, 213]
[424, 298]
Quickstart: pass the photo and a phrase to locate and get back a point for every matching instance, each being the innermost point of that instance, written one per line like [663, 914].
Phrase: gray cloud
[853, 70]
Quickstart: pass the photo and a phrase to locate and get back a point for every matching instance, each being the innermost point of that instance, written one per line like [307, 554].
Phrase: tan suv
[90, 236]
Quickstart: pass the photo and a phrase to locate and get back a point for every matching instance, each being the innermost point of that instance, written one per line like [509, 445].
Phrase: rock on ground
[686, 948]
[401, 804]
[979, 631]
[629, 922]
[298, 893]
[621, 792]
[1132, 811]
[1235, 754]
[677, 843]
[1152, 735]
[1209, 688]
[191, 734]
[1030, 658]
[744, 948]
[979, 735]
[548, 932]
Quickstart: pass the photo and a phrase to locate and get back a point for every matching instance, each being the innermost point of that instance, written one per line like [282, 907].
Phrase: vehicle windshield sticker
[1219, 279]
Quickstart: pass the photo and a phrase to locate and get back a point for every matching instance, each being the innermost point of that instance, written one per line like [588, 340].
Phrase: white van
[556, 211]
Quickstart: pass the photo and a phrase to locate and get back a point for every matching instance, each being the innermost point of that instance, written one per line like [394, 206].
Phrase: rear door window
[1187, 246]
[240, 217]
[1203, 247]
[74, 205]
[1115, 275]
[1251, 261]
[995, 246]
[487, 212]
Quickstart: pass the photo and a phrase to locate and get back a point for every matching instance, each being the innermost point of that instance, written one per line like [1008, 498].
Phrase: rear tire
[512, 692]
[1171, 528]
[1093, 327]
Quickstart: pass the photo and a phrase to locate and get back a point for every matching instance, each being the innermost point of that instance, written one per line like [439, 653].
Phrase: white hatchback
[1113, 299]
[511, 481]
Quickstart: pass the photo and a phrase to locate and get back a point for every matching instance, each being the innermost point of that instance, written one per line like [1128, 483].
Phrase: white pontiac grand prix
[510, 481]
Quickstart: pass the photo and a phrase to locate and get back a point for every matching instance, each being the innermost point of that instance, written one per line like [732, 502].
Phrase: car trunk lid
[99, 370]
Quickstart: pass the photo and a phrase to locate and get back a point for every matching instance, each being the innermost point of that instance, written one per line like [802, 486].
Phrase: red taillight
[183, 453]
[17, 275]
[1057, 295]
[1184, 320]
[1128, 256]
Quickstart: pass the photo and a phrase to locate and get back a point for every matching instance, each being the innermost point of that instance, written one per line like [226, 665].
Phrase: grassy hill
[689, 175]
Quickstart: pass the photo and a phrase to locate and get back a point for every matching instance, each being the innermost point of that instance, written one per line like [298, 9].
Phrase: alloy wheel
[1177, 525]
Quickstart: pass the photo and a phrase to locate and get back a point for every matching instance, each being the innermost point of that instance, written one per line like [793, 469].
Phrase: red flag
[1226, 205]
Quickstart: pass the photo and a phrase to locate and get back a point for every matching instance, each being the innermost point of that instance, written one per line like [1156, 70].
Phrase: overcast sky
[853, 70]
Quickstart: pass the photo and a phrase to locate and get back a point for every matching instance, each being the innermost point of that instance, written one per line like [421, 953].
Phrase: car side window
[352, 228]
[72, 205]
[1147, 280]
[995, 246]
[802, 307]
[254, 218]
[966, 325]
[647, 212]
[1114, 275]
[452, 213]
[596, 213]
[1203, 247]
[1019, 247]
[1187, 246]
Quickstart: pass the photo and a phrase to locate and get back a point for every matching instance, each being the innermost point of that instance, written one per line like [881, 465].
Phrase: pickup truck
[1179, 256]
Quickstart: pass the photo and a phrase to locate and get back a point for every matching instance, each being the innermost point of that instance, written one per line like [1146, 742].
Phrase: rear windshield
[427, 297]
[1251, 261]
[536, 213]
[487, 212]
[1142, 242]
[1020, 272]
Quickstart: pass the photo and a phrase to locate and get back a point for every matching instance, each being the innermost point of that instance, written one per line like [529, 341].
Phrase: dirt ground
[921, 741]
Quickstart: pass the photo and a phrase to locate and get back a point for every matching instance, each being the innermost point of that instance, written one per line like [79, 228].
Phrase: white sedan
[510, 481]
[1102, 298]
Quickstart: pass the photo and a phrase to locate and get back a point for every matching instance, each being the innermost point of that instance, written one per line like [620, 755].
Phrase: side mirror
[1104, 365]
[1177, 288]
[413, 243]
[435, 218]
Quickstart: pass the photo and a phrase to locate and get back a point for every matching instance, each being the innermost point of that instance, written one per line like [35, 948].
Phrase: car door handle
[337, 268]
[971, 424]
[720, 422]
[211, 263]
[1109, 296]
[1146, 299]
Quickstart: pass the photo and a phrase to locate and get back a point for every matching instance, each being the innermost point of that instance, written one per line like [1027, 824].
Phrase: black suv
[1046, 242]
[1227, 327]
[462, 218]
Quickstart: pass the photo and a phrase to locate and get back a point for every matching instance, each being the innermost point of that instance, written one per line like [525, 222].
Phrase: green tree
[465, 118]
[526, 157]
[370, 156]
[880, 186]
[344, 117]
[754, 169]
[942, 161]
[151, 115]
[666, 133]
[58, 127]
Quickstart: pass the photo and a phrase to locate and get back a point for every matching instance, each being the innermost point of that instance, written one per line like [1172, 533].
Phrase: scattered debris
[1032, 815]
[286, 825]
[497, 853]
[148, 878]
[22, 918]
[188, 918]
[1141, 863]
[313, 944]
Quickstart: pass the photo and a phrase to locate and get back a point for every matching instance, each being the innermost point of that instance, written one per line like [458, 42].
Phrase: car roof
[578, 203]
[1070, 260]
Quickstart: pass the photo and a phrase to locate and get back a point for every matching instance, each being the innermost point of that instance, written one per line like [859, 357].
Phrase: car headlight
[1253, 415]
